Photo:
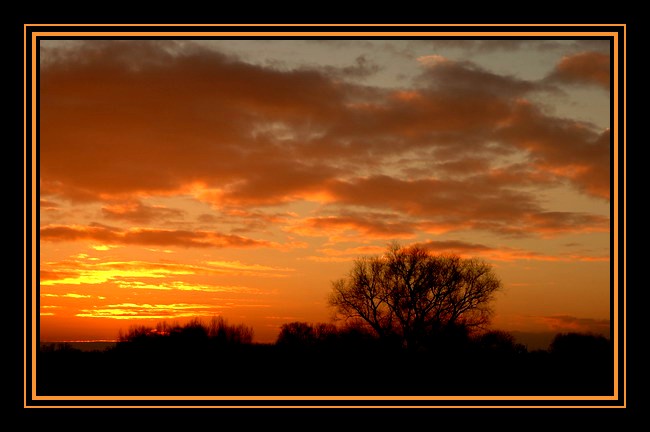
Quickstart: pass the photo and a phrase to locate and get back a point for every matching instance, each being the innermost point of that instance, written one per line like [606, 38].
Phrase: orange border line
[624, 213]
[410, 34]
[34, 207]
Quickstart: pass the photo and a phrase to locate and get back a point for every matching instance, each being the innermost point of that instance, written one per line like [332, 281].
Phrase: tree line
[407, 322]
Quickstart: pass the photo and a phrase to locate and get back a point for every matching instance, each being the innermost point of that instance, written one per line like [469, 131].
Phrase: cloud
[67, 295]
[450, 205]
[567, 149]
[484, 45]
[501, 253]
[74, 272]
[149, 311]
[172, 128]
[149, 237]
[270, 183]
[357, 251]
[362, 68]
[121, 121]
[431, 60]
[186, 286]
[139, 213]
[48, 205]
[244, 220]
[584, 68]
[156, 274]
[345, 255]
[243, 267]
[566, 323]
[464, 167]
[505, 45]
[46, 275]
[552, 223]
[103, 247]
[454, 246]
[464, 76]
[157, 311]
[354, 225]
[458, 247]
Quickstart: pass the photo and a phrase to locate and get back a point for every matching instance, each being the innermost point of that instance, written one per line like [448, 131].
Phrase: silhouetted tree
[580, 346]
[411, 293]
[500, 342]
[219, 330]
[306, 334]
[194, 333]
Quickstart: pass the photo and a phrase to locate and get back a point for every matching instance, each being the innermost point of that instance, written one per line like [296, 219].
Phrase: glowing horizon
[185, 179]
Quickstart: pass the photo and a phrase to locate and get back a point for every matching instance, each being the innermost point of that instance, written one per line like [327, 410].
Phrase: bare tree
[412, 294]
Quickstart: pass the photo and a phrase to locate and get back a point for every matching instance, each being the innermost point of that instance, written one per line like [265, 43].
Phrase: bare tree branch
[412, 294]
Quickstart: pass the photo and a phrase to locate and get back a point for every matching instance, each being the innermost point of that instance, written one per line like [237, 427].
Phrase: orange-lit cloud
[126, 311]
[566, 323]
[48, 205]
[345, 255]
[552, 223]
[103, 247]
[185, 286]
[80, 272]
[253, 145]
[149, 311]
[67, 295]
[431, 60]
[195, 137]
[462, 248]
[468, 204]
[503, 253]
[49, 275]
[368, 226]
[567, 149]
[243, 220]
[147, 236]
[138, 212]
[583, 68]
[238, 266]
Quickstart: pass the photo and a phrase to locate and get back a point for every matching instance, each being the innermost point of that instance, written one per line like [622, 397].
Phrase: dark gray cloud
[121, 120]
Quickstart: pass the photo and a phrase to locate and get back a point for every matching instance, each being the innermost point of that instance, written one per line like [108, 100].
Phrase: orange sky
[184, 179]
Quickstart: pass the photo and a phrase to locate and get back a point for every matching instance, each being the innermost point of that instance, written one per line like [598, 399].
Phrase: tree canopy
[412, 294]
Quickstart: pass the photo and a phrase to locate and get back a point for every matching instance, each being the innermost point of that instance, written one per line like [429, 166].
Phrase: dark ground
[255, 369]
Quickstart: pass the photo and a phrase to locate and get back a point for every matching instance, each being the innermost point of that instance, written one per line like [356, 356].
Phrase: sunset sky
[239, 178]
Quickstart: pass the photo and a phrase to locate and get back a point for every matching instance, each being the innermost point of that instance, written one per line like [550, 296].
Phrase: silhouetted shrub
[193, 334]
[219, 330]
[58, 347]
[580, 345]
[296, 334]
[216, 358]
[499, 342]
